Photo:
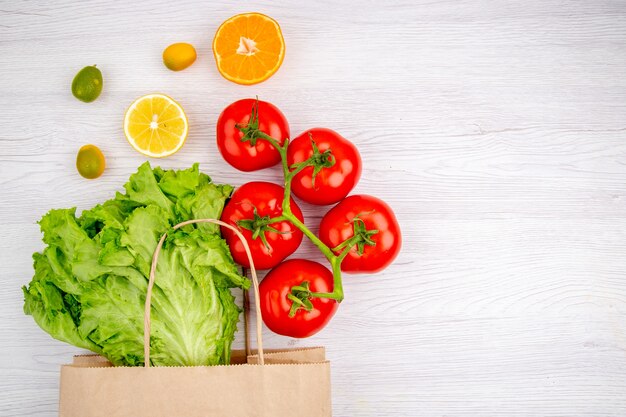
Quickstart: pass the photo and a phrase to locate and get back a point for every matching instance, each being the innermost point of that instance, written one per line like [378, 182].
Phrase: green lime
[87, 84]
[90, 162]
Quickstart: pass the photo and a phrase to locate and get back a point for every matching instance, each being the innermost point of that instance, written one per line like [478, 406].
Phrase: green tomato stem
[328, 253]
[335, 260]
[277, 219]
[337, 293]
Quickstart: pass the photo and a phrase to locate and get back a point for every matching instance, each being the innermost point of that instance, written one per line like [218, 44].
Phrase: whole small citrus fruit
[87, 84]
[90, 162]
[179, 56]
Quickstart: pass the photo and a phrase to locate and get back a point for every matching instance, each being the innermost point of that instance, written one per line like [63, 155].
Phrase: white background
[495, 129]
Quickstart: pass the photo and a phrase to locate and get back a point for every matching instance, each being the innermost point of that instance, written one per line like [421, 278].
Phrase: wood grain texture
[495, 129]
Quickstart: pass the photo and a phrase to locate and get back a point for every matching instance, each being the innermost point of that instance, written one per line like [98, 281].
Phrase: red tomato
[332, 183]
[266, 198]
[275, 305]
[373, 214]
[250, 155]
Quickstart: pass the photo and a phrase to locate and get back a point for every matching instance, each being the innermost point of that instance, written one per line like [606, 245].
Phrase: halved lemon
[155, 125]
[248, 48]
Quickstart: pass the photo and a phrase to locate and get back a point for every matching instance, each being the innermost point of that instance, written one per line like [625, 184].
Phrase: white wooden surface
[496, 129]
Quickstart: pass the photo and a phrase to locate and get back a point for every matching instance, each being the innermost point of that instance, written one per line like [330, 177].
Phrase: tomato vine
[301, 294]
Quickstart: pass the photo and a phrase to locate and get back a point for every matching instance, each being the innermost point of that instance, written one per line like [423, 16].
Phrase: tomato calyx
[361, 237]
[300, 297]
[259, 225]
[319, 161]
[251, 132]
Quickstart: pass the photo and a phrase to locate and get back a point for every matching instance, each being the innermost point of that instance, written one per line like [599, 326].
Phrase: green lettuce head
[90, 282]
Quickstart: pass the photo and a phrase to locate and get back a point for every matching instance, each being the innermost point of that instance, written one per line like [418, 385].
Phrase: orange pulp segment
[248, 48]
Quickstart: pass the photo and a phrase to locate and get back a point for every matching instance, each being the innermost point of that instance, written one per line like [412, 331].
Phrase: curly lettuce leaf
[90, 281]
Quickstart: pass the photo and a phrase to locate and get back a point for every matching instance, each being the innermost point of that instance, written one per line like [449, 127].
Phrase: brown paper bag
[272, 383]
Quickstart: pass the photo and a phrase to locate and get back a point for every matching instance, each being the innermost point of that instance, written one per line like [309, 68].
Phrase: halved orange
[248, 48]
[156, 125]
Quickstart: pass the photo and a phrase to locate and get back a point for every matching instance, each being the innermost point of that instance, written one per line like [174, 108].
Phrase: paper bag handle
[255, 284]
